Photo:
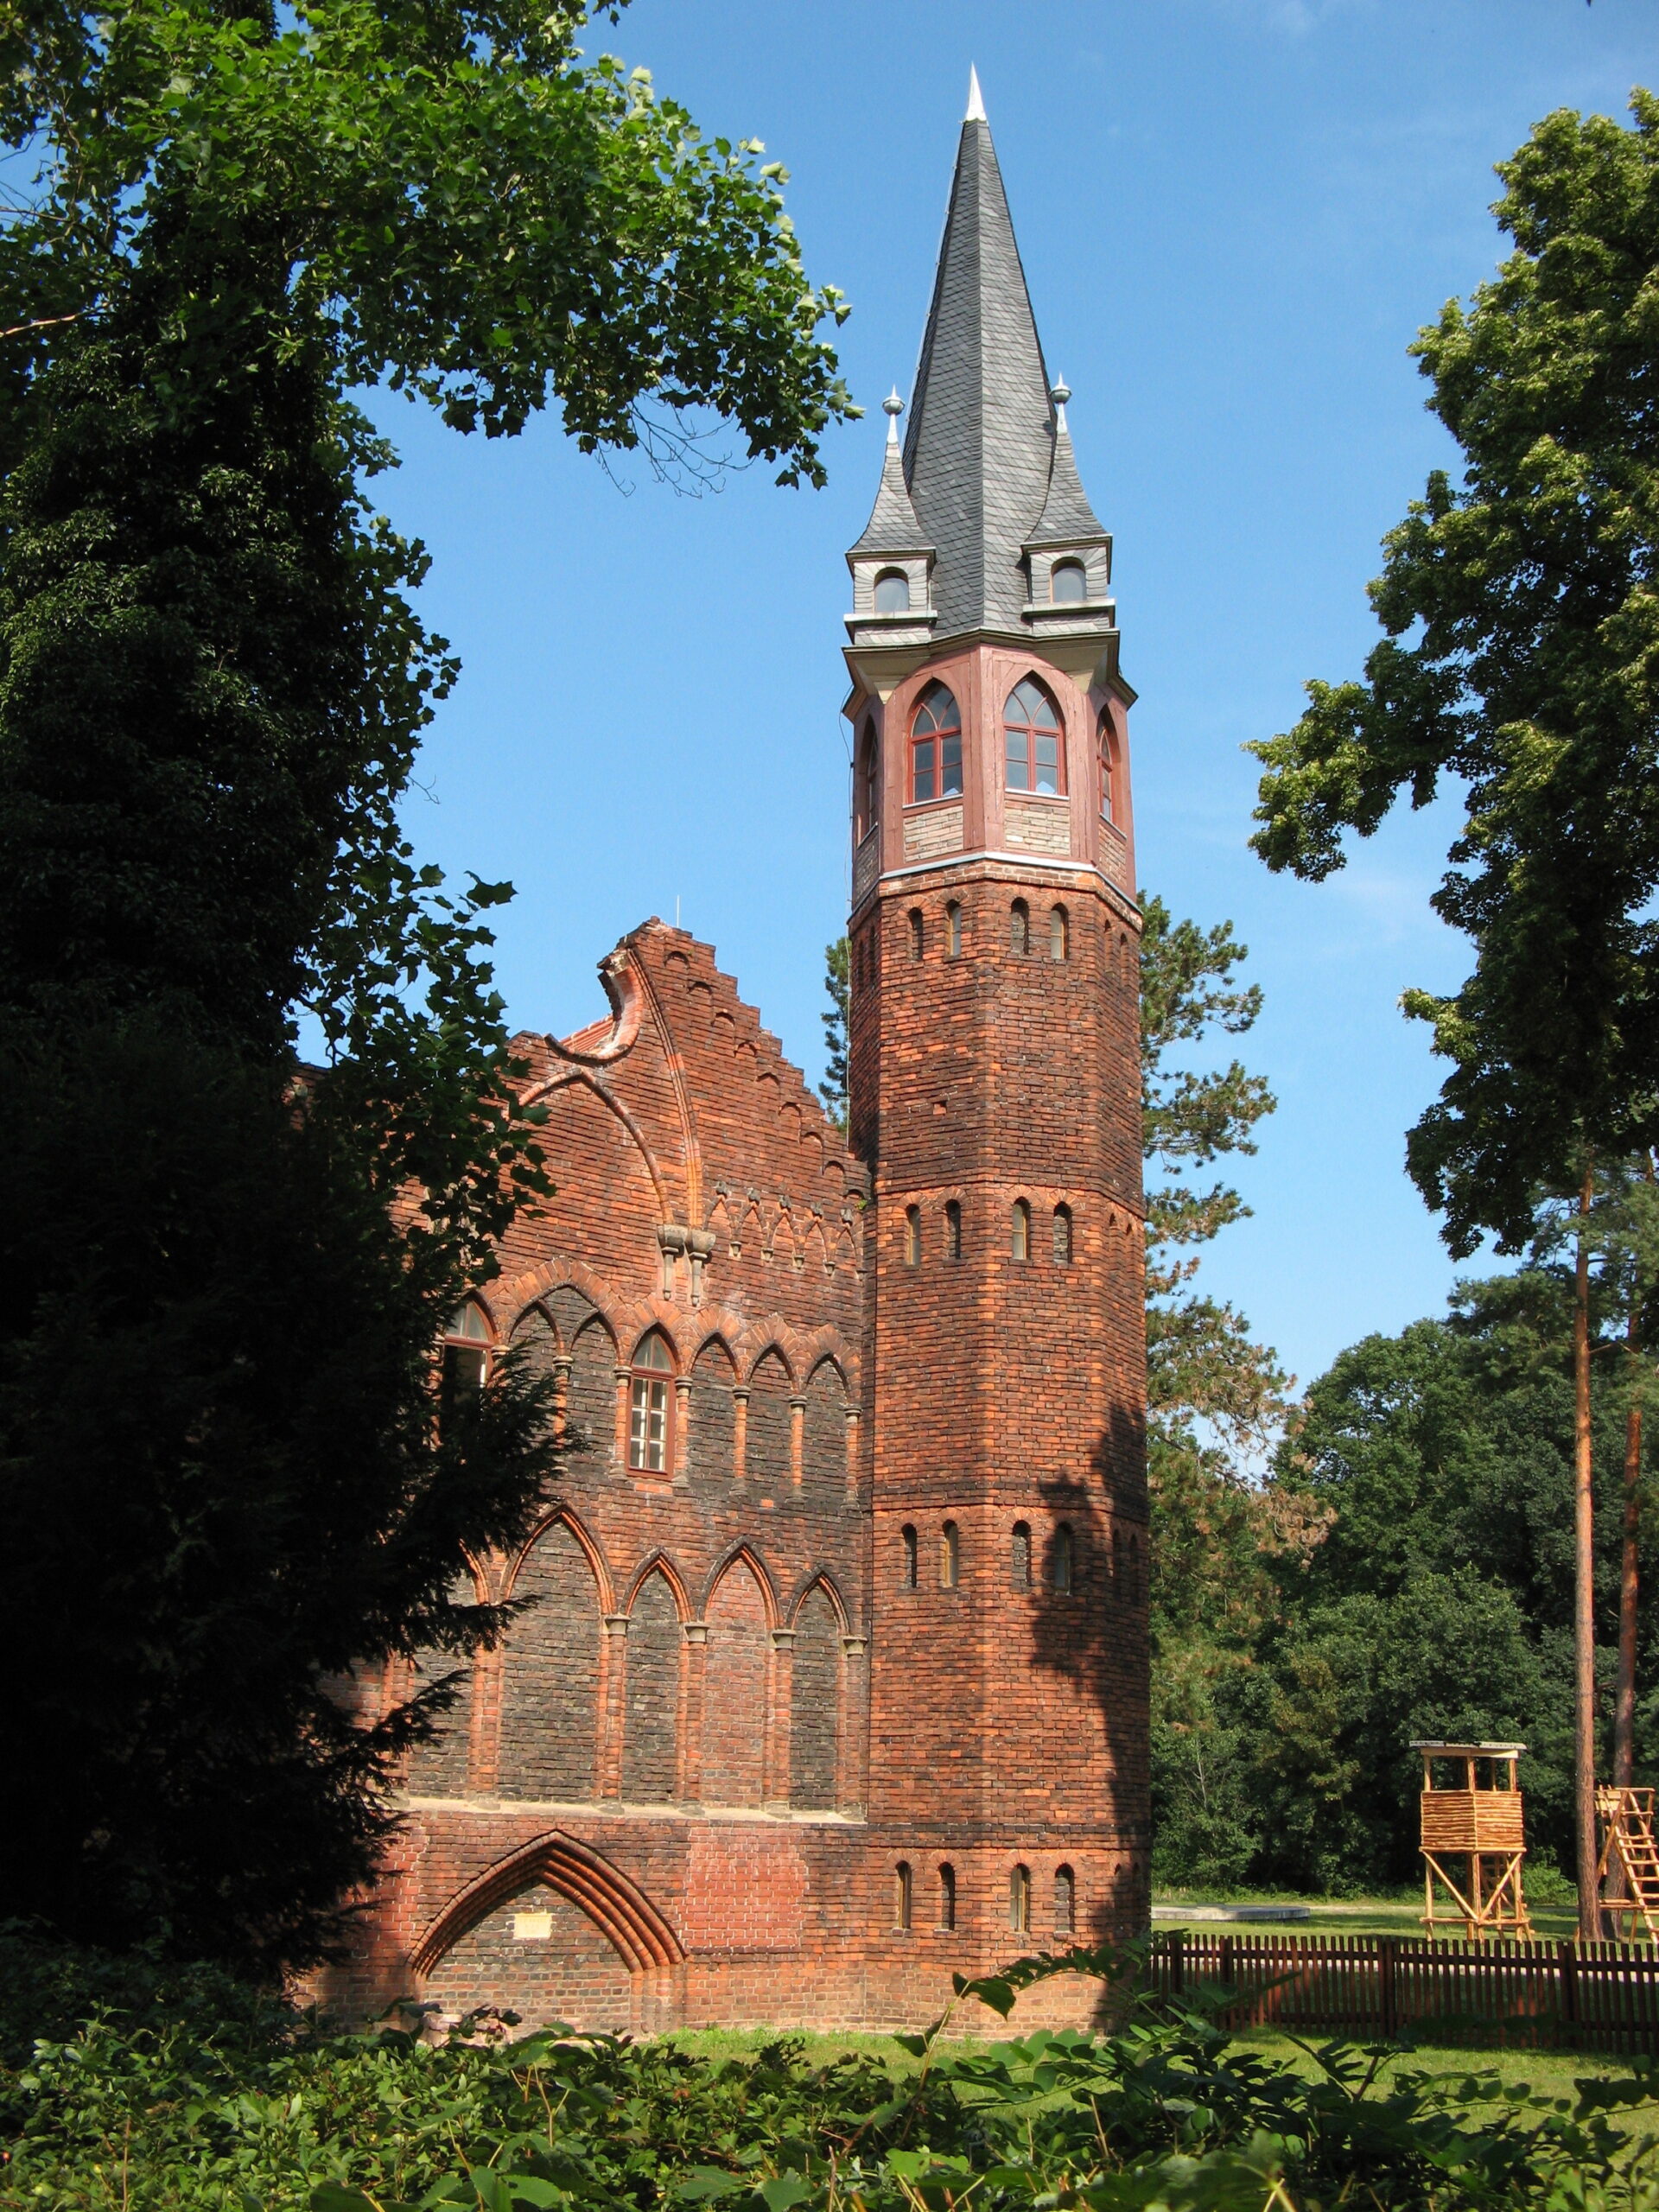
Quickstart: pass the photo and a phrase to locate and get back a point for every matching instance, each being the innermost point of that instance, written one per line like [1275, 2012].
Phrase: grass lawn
[1399, 1915]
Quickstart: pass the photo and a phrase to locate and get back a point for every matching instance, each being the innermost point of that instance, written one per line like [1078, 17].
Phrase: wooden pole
[1584, 1621]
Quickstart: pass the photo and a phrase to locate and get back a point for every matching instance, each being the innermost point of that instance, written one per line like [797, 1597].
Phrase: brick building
[837, 1679]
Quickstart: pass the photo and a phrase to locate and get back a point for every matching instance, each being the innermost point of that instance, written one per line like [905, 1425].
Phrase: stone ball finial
[1060, 392]
[893, 404]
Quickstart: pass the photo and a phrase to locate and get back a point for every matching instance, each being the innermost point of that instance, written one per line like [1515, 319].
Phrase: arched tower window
[650, 1394]
[1020, 926]
[1059, 934]
[901, 1895]
[1020, 1899]
[936, 747]
[465, 1359]
[892, 592]
[947, 1897]
[950, 1556]
[917, 928]
[908, 1558]
[1062, 1560]
[1111, 798]
[912, 1236]
[1020, 1556]
[1065, 1900]
[1062, 1236]
[867, 786]
[953, 931]
[1068, 583]
[953, 1229]
[1020, 1231]
[1031, 739]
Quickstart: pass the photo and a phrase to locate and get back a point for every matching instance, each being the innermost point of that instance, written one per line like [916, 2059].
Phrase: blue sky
[1234, 215]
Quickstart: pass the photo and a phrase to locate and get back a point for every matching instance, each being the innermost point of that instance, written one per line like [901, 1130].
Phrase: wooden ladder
[1628, 1846]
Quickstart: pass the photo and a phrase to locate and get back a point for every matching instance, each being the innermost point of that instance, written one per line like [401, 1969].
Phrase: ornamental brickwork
[835, 1681]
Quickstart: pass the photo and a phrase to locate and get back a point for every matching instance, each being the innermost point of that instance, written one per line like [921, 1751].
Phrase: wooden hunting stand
[1477, 1825]
[1627, 1852]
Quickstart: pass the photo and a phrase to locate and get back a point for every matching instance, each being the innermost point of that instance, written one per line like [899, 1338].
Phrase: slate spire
[979, 446]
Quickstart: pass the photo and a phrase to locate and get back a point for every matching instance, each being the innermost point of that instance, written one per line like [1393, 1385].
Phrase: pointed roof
[982, 426]
[1067, 517]
[893, 526]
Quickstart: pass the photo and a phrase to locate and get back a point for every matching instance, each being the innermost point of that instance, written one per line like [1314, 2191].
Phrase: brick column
[613, 1703]
[740, 1428]
[852, 1734]
[780, 1670]
[797, 1438]
[624, 1377]
[682, 1424]
[694, 1675]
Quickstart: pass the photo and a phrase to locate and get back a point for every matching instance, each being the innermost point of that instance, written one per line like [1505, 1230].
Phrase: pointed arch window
[1111, 796]
[651, 1416]
[465, 1359]
[867, 782]
[936, 747]
[1031, 740]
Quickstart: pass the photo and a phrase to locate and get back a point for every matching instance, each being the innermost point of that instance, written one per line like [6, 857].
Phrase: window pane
[1048, 764]
[1070, 583]
[924, 769]
[469, 1322]
[1019, 773]
[1042, 708]
[950, 782]
[893, 593]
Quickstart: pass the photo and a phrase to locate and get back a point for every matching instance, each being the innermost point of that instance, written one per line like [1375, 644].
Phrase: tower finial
[893, 407]
[1059, 392]
[976, 98]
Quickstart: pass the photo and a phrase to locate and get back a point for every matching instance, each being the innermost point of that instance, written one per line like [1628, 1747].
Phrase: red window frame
[1029, 739]
[934, 759]
[1107, 737]
[867, 793]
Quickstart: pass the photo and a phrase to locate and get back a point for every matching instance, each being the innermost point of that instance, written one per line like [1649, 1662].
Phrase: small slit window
[1062, 1236]
[1062, 1560]
[936, 747]
[947, 1897]
[1020, 1556]
[912, 1236]
[902, 1897]
[650, 1399]
[1020, 1899]
[907, 1558]
[1031, 740]
[1020, 926]
[1020, 1231]
[1068, 583]
[1059, 934]
[892, 592]
[952, 1228]
[917, 928]
[950, 1556]
[1065, 1900]
[953, 931]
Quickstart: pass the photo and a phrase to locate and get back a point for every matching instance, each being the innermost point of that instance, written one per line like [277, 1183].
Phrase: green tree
[837, 959]
[1215, 1400]
[220, 1479]
[1519, 657]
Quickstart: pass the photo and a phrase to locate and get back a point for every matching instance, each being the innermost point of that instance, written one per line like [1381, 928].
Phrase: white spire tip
[976, 98]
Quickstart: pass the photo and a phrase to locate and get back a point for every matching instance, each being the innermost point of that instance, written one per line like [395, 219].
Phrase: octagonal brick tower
[996, 1098]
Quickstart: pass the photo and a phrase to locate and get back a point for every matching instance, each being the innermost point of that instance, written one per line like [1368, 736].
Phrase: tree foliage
[221, 1482]
[837, 971]
[1521, 668]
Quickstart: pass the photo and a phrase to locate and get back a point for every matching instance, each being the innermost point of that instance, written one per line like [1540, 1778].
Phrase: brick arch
[737, 1556]
[771, 1347]
[829, 1359]
[715, 1341]
[656, 1328]
[596, 1560]
[538, 1310]
[620, 980]
[609, 1899]
[821, 1579]
[658, 1561]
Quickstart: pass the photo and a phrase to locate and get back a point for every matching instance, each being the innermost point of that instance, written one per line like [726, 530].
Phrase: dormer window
[936, 747]
[866, 783]
[1030, 738]
[892, 592]
[1068, 583]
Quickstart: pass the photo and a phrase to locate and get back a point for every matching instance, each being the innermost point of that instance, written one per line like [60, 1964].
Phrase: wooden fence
[1569, 1996]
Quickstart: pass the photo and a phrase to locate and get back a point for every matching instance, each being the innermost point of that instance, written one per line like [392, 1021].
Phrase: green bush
[150, 2104]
